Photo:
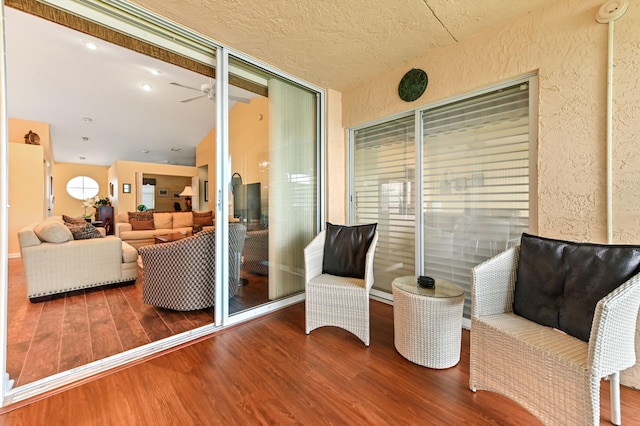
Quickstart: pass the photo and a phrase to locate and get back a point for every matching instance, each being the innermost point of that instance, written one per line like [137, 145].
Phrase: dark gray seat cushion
[345, 249]
[559, 282]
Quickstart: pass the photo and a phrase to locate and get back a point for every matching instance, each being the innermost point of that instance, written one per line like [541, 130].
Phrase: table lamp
[187, 193]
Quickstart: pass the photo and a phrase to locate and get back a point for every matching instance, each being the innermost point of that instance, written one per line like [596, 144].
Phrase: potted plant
[142, 207]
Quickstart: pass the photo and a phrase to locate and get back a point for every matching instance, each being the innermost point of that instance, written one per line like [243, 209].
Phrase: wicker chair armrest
[493, 283]
[368, 262]
[313, 255]
[612, 339]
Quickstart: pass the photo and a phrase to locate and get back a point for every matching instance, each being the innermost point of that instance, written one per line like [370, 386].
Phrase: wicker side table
[427, 323]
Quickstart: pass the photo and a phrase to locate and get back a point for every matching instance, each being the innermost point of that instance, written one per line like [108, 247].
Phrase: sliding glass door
[469, 173]
[274, 180]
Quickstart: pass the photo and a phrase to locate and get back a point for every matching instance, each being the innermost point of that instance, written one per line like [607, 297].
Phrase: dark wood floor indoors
[49, 337]
[268, 371]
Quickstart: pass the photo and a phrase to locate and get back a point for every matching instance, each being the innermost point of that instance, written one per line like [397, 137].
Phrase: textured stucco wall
[568, 49]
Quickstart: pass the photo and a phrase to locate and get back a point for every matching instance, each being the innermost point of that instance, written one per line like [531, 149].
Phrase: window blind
[383, 192]
[475, 181]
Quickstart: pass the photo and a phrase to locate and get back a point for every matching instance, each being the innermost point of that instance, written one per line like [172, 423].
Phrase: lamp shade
[188, 192]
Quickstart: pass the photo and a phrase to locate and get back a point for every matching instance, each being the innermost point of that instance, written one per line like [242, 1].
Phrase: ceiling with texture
[339, 43]
[332, 44]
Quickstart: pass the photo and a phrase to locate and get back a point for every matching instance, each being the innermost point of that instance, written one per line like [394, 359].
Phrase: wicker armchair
[179, 275]
[333, 300]
[551, 374]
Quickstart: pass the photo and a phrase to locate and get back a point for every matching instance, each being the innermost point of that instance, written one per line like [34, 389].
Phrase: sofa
[54, 262]
[549, 320]
[140, 228]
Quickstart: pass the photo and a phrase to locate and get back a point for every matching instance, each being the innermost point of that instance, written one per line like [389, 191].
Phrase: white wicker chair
[553, 375]
[337, 301]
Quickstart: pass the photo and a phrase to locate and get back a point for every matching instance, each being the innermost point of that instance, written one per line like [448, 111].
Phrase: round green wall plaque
[413, 85]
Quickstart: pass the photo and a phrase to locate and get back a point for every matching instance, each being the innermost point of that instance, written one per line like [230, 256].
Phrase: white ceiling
[53, 78]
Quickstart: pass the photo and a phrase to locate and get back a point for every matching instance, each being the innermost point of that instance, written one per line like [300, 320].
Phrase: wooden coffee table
[174, 236]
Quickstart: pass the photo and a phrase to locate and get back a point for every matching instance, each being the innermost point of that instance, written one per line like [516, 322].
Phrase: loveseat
[549, 320]
[140, 228]
[54, 262]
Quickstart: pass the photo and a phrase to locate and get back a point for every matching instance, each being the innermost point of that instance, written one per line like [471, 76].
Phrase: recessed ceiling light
[87, 120]
[155, 72]
[175, 149]
[85, 139]
[166, 161]
[145, 151]
[146, 87]
[83, 158]
[91, 46]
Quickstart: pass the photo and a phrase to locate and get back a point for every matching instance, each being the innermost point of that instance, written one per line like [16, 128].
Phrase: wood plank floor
[269, 372]
[49, 337]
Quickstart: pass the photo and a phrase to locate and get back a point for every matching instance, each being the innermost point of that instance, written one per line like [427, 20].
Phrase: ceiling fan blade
[186, 87]
[239, 99]
[193, 98]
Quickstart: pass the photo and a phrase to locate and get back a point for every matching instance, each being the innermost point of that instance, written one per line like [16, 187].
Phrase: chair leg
[614, 392]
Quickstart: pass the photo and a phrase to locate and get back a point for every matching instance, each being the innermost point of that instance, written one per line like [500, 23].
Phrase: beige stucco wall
[568, 49]
[336, 164]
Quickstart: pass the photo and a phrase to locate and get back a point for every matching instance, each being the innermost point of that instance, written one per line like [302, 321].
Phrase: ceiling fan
[207, 90]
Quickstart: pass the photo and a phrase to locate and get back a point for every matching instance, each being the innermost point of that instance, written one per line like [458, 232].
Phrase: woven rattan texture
[337, 301]
[553, 375]
[427, 330]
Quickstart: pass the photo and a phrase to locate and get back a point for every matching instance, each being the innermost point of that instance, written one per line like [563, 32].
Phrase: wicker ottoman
[428, 322]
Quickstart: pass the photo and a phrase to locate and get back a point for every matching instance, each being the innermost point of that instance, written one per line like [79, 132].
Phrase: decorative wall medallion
[413, 85]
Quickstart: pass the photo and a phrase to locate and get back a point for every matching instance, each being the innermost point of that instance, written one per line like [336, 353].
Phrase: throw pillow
[142, 225]
[203, 218]
[69, 219]
[559, 283]
[141, 220]
[163, 220]
[345, 249]
[51, 231]
[83, 231]
[182, 220]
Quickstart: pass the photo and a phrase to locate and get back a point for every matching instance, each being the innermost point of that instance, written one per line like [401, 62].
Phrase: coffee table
[174, 236]
[427, 322]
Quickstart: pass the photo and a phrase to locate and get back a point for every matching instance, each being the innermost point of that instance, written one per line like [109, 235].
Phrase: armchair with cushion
[338, 278]
[180, 275]
[549, 320]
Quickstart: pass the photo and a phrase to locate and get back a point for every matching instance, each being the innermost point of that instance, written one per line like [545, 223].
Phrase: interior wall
[26, 177]
[568, 49]
[175, 185]
[26, 190]
[249, 145]
[249, 140]
[126, 173]
[62, 173]
[206, 163]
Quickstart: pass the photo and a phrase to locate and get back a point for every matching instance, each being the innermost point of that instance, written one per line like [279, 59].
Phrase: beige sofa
[56, 263]
[163, 223]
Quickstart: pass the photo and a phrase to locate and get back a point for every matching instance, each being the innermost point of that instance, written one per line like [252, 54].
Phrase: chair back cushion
[345, 249]
[559, 283]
